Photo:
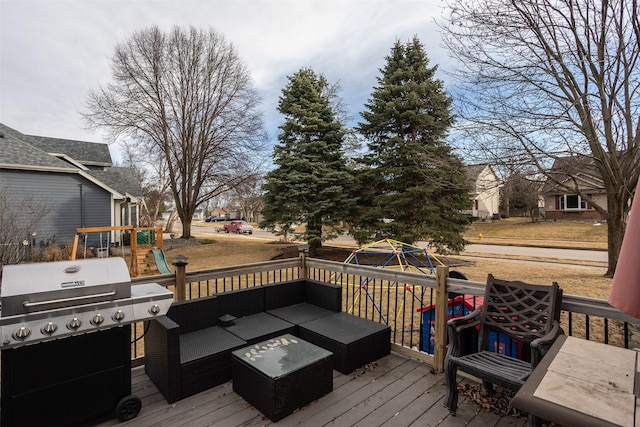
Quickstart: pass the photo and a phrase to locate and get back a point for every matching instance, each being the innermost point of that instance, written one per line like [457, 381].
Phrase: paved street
[537, 252]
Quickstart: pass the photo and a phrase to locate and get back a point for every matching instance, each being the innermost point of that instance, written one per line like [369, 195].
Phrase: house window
[571, 202]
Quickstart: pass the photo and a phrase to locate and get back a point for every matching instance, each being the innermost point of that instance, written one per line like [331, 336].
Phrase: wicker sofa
[189, 350]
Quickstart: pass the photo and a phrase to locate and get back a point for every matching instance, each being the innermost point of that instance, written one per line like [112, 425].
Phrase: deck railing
[414, 305]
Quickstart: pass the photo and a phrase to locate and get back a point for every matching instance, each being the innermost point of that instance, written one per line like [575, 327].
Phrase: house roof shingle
[474, 171]
[565, 169]
[122, 179]
[87, 153]
[18, 150]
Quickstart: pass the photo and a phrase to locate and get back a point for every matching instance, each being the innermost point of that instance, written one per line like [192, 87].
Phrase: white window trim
[564, 208]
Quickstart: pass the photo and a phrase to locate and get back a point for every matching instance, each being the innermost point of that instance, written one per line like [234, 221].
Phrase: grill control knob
[155, 309]
[74, 323]
[49, 328]
[97, 319]
[118, 316]
[21, 333]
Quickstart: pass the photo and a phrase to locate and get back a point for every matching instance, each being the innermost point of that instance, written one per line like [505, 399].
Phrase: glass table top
[282, 355]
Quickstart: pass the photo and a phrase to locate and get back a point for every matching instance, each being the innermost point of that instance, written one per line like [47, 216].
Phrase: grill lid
[43, 286]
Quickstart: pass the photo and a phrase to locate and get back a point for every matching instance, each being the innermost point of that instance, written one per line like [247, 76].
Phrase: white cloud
[52, 52]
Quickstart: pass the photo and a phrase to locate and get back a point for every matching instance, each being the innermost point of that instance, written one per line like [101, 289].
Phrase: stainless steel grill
[47, 311]
[53, 300]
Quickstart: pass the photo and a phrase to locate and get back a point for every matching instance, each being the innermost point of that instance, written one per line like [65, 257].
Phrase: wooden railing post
[181, 280]
[442, 301]
[303, 251]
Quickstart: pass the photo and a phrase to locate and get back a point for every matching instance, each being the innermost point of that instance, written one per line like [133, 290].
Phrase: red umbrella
[625, 289]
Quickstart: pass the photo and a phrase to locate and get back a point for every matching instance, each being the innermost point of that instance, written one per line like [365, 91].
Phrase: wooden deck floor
[394, 391]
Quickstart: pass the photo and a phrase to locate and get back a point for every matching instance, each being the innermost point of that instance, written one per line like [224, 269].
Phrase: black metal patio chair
[514, 317]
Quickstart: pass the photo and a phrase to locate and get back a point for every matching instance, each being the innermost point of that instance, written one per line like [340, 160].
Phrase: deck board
[395, 391]
[421, 402]
[393, 401]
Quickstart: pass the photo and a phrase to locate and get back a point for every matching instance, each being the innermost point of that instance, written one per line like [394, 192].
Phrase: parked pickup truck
[240, 227]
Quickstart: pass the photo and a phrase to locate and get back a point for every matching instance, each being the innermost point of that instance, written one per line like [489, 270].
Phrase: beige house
[583, 179]
[485, 194]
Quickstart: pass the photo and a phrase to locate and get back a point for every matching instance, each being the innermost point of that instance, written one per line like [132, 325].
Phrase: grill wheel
[128, 408]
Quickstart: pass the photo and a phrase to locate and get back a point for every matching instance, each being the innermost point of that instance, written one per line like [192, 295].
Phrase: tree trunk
[186, 228]
[314, 245]
[615, 232]
[169, 225]
[314, 234]
[506, 203]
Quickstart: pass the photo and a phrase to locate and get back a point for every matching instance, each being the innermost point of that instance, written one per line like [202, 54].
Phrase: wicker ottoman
[354, 341]
[282, 374]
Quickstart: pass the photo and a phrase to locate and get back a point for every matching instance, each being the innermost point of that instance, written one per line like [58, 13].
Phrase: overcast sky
[52, 52]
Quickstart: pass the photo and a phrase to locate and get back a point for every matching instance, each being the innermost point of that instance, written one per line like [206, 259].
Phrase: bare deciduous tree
[248, 197]
[19, 220]
[153, 176]
[188, 96]
[520, 191]
[548, 79]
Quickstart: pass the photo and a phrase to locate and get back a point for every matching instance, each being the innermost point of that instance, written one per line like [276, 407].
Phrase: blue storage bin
[457, 307]
[501, 343]
[460, 306]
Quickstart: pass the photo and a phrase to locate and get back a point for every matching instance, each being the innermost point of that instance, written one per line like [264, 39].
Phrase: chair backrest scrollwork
[520, 310]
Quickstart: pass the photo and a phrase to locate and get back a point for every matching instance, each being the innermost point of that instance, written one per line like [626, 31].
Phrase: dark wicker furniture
[282, 374]
[301, 301]
[189, 350]
[521, 311]
[186, 351]
[251, 322]
[354, 341]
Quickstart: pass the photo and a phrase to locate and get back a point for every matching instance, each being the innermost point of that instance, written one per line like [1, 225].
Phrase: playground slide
[161, 261]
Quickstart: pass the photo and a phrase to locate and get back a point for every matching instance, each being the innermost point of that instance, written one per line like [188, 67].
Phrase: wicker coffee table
[282, 374]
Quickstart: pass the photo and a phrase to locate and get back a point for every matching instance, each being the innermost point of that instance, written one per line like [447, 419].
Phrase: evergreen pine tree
[310, 182]
[413, 187]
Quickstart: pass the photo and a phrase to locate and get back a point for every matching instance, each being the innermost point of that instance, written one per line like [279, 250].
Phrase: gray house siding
[49, 187]
[69, 199]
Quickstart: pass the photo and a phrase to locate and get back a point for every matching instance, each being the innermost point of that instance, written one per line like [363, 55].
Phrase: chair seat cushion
[300, 313]
[494, 367]
[206, 342]
[259, 327]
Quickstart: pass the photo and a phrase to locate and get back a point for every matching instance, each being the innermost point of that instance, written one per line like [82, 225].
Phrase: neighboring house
[218, 212]
[485, 194]
[198, 215]
[577, 172]
[75, 181]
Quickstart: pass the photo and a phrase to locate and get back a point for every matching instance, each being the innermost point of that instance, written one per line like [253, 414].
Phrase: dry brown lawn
[578, 234]
[575, 234]
[224, 251]
[227, 250]
[573, 280]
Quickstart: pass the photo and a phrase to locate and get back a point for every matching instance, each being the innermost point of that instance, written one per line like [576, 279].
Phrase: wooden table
[583, 383]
